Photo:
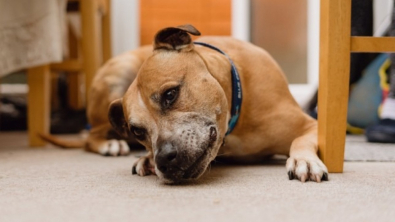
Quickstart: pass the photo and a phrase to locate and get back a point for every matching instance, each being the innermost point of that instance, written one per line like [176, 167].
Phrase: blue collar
[236, 89]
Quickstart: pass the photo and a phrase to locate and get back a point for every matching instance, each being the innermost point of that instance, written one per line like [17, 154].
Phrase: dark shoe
[383, 132]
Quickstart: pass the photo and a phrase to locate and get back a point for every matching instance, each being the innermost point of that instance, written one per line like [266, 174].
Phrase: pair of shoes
[383, 132]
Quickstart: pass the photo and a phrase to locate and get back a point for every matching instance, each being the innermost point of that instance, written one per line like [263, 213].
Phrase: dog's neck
[235, 99]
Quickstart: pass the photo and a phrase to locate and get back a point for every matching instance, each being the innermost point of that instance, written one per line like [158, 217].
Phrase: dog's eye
[170, 96]
[139, 133]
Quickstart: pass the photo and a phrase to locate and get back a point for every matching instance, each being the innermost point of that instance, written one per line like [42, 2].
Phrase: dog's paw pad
[114, 148]
[305, 169]
[144, 166]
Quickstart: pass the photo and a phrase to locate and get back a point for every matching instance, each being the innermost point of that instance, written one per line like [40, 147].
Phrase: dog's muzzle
[177, 161]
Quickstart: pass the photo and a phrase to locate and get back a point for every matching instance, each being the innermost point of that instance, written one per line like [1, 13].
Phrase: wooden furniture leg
[38, 103]
[335, 35]
[76, 98]
[91, 41]
[75, 80]
[106, 32]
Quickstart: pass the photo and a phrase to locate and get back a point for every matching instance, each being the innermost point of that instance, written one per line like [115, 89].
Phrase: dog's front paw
[144, 166]
[306, 169]
[114, 148]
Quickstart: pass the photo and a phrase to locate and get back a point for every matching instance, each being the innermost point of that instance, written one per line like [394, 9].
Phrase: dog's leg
[144, 165]
[97, 142]
[304, 163]
[111, 147]
[110, 83]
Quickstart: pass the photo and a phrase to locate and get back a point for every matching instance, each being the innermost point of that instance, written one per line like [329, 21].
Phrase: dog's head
[175, 107]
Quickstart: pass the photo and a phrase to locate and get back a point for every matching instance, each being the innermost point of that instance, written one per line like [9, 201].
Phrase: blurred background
[288, 30]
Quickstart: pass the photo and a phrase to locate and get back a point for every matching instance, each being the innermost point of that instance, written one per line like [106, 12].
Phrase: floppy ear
[117, 118]
[175, 38]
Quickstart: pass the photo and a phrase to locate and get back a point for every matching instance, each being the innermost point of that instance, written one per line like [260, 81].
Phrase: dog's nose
[166, 157]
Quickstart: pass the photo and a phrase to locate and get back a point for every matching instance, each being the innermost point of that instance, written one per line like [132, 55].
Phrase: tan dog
[179, 105]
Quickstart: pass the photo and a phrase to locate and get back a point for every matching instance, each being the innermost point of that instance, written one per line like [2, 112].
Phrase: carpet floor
[51, 184]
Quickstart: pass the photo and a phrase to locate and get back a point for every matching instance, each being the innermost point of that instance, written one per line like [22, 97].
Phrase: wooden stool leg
[38, 103]
[335, 25]
[91, 41]
[76, 97]
[75, 80]
[106, 32]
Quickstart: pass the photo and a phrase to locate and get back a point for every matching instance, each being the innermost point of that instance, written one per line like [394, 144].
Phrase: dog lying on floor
[189, 102]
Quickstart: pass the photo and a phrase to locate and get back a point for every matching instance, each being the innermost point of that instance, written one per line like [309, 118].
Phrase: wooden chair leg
[335, 32]
[91, 41]
[106, 32]
[38, 103]
[75, 95]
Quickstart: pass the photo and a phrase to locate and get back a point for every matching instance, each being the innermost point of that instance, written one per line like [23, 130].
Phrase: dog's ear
[175, 38]
[117, 118]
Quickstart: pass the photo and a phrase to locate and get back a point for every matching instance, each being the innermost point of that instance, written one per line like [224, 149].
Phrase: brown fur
[270, 122]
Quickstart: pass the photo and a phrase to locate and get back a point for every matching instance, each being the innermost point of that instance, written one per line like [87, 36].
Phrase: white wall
[125, 25]
[303, 92]
[241, 19]
[382, 10]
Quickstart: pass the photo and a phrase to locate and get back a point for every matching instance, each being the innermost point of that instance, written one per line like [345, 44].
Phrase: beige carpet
[358, 149]
[51, 184]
